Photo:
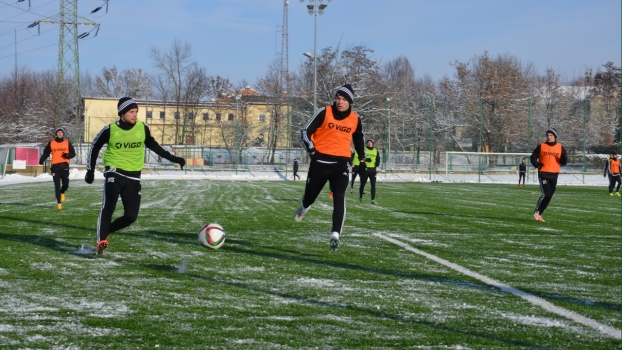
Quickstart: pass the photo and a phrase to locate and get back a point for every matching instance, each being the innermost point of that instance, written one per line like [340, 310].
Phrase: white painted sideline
[573, 316]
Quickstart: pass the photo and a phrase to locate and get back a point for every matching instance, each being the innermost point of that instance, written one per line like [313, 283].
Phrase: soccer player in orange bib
[612, 168]
[327, 136]
[62, 151]
[547, 157]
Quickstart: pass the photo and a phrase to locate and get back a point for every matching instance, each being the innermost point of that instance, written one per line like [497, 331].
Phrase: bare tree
[335, 67]
[129, 82]
[270, 86]
[27, 105]
[174, 66]
[606, 101]
[494, 93]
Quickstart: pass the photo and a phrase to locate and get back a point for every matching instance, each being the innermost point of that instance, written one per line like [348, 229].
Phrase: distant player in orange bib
[327, 137]
[547, 157]
[62, 151]
[612, 169]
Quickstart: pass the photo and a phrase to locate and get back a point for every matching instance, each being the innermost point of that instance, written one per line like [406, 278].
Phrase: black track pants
[61, 181]
[129, 190]
[371, 175]
[613, 179]
[547, 186]
[355, 171]
[337, 175]
[521, 176]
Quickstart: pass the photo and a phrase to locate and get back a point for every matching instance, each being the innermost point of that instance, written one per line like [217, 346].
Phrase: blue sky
[238, 39]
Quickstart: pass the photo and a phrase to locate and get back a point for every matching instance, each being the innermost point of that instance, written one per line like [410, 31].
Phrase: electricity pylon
[68, 73]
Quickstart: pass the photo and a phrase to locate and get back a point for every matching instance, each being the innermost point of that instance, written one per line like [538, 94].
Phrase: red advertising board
[30, 155]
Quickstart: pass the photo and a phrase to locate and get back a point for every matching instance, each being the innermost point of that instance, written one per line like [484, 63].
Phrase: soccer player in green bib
[124, 159]
[372, 161]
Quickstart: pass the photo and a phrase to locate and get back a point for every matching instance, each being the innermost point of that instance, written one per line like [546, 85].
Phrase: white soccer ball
[212, 236]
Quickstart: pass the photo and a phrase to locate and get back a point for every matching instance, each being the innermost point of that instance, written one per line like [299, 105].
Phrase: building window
[162, 115]
[230, 116]
[190, 115]
[205, 116]
[149, 114]
[176, 115]
[218, 116]
[262, 118]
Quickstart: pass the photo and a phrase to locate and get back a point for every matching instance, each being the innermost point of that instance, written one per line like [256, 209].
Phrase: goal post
[488, 165]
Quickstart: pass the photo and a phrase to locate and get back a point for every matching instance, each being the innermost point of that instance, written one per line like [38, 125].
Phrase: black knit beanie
[347, 92]
[125, 104]
[552, 131]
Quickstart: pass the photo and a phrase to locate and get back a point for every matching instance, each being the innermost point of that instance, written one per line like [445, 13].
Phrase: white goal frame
[482, 162]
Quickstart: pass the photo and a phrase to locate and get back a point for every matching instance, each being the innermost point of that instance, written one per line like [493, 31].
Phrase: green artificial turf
[275, 283]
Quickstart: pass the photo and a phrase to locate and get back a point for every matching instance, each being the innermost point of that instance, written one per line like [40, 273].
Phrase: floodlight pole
[314, 10]
[528, 132]
[315, 63]
[479, 163]
[584, 141]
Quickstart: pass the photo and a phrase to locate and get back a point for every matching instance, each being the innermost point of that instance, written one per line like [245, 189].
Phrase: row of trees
[496, 104]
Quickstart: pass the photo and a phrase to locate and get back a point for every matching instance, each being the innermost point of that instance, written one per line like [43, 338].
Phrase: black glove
[604, 175]
[41, 163]
[368, 159]
[66, 156]
[540, 165]
[180, 161]
[312, 153]
[362, 166]
[89, 177]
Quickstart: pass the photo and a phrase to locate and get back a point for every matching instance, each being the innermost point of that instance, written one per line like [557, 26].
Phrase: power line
[10, 31]
[19, 53]
[21, 41]
[24, 11]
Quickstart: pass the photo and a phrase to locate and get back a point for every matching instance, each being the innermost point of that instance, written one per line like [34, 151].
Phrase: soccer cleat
[330, 195]
[618, 194]
[373, 201]
[101, 247]
[537, 217]
[350, 191]
[59, 206]
[361, 200]
[62, 197]
[300, 213]
[334, 241]
[610, 193]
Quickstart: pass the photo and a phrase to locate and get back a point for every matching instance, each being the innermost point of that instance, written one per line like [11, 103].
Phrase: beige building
[249, 120]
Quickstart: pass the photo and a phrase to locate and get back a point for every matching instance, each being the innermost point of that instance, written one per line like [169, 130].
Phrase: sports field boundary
[573, 316]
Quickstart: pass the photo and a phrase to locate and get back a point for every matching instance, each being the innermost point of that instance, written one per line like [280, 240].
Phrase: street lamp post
[237, 141]
[315, 10]
[387, 158]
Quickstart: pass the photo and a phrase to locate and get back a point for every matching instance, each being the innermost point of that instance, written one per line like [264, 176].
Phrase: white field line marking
[573, 316]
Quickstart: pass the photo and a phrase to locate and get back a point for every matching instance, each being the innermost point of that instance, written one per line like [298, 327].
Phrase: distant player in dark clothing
[296, 169]
[612, 169]
[522, 171]
[62, 151]
[547, 157]
[327, 137]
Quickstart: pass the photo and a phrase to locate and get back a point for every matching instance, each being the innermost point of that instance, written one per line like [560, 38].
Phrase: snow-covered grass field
[432, 266]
